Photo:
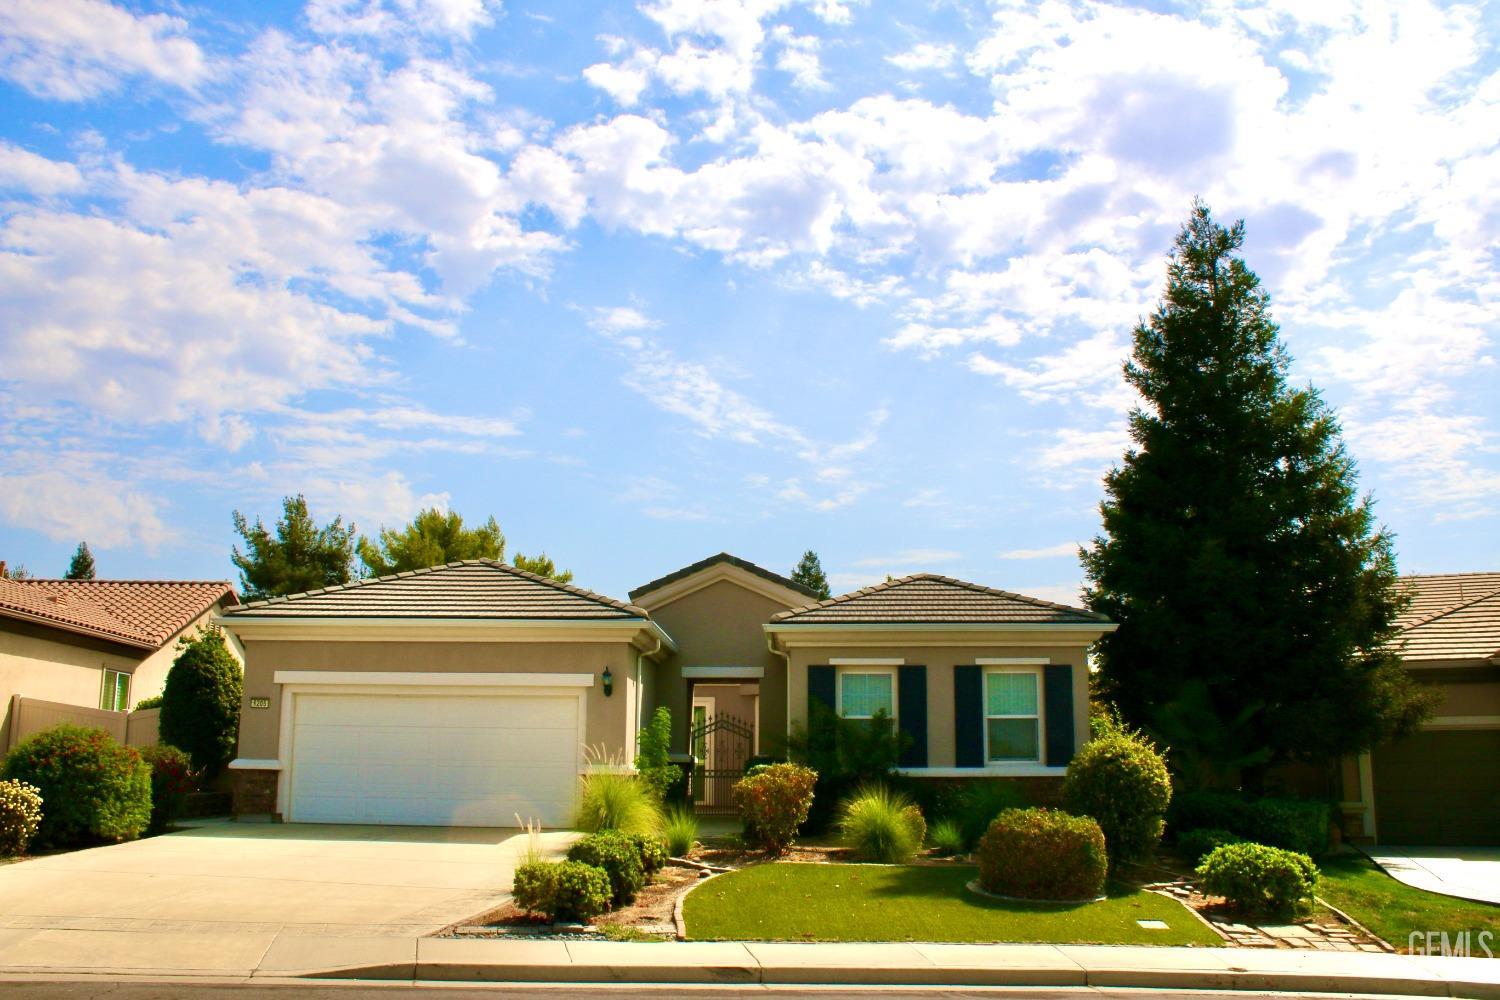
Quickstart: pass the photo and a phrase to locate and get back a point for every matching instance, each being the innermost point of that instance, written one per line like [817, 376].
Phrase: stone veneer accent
[255, 793]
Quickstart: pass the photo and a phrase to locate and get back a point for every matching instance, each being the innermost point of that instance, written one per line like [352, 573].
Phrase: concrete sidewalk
[279, 955]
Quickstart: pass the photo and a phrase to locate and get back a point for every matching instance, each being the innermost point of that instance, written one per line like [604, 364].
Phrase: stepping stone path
[1327, 934]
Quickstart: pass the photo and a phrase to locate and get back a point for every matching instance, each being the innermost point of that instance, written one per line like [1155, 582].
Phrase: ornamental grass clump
[20, 816]
[1043, 854]
[878, 824]
[613, 799]
[561, 890]
[618, 857]
[774, 803]
[680, 830]
[1121, 780]
[1254, 878]
[946, 838]
[94, 788]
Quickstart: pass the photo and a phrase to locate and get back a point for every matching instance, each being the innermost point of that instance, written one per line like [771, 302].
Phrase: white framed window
[116, 694]
[864, 692]
[1013, 715]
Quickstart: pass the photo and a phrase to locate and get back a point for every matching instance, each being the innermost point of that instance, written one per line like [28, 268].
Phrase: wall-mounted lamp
[609, 682]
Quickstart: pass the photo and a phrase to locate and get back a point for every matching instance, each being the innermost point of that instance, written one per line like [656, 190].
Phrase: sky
[648, 282]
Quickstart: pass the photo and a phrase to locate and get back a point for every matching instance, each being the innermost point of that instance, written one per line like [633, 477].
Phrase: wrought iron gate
[722, 745]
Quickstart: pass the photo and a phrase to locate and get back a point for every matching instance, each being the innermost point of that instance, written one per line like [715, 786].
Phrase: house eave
[640, 632]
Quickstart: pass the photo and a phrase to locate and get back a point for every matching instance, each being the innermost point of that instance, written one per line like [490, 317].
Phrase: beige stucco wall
[607, 719]
[1469, 698]
[720, 626]
[940, 661]
[53, 666]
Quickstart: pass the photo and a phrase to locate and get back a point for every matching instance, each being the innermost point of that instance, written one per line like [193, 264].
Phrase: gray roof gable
[927, 598]
[714, 560]
[474, 588]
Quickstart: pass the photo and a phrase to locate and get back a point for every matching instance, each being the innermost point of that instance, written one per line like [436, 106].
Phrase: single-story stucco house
[88, 651]
[473, 693]
[1440, 786]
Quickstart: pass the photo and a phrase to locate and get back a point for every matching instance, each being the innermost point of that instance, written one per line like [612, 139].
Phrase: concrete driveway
[1465, 872]
[222, 877]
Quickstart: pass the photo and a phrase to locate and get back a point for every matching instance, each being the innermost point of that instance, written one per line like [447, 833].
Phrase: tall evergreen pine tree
[1236, 551]
[809, 573]
[82, 565]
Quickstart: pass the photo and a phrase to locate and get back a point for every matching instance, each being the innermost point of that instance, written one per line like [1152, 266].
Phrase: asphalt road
[138, 990]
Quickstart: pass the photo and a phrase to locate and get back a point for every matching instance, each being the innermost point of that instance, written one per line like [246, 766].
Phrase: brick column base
[255, 793]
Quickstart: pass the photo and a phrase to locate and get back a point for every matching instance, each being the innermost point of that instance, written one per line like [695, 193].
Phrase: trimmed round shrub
[946, 838]
[1255, 878]
[878, 824]
[561, 890]
[1043, 854]
[200, 705]
[981, 801]
[1121, 780]
[775, 802]
[1195, 845]
[618, 857]
[20, 816]
[172, 778]
[652, 851]
[94, 788]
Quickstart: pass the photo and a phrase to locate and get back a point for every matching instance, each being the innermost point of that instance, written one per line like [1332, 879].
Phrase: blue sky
[651, 281]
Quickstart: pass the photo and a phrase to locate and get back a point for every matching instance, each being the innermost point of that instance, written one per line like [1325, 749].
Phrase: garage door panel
[439, 759]
[1439, 788]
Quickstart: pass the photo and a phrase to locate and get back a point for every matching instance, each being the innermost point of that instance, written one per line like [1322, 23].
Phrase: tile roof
[474, 588]
[1453, 616]
[141, 613]
[930, 599]
[722, 557]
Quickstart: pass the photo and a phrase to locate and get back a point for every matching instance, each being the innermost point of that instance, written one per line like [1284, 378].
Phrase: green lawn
[1394, 909]
[811, 902]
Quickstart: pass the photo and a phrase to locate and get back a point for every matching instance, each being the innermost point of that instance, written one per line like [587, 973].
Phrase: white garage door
[435, 759]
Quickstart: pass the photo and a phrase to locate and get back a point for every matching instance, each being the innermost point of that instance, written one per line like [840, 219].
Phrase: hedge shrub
[172, 778]
[561, 890]
[1195, 845]
[200, 704]
[20, 815]
[1043, 854]
[92, 787]
[774, 803]
[1293, 824]
[981, 801]
[1121, 780]
[617, 856]
[652, 852]
[1255, 878]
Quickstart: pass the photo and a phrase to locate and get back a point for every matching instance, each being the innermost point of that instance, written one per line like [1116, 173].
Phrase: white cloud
[459, 18]
[917, 558]
[26, 171]
[924, 56]
[369, 501]
[1049, 552]
[76, 49]
[79, 502]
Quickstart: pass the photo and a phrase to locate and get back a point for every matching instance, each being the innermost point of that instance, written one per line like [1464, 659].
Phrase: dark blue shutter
[968, 716]
[1058, 696]
[911, 711]
[820, 688]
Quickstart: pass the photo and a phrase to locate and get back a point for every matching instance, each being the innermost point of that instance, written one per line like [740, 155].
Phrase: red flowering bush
[93, 788]
[774, 802]
[1042, 854]
[172, 778]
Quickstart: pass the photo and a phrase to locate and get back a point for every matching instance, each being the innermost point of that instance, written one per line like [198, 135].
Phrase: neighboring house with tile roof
[466, 694]
[1442, 785]
[94, 645]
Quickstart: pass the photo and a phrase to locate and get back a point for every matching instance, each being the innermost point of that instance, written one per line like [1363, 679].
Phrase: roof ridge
[896, 582]
[700, 565]
[63, 579]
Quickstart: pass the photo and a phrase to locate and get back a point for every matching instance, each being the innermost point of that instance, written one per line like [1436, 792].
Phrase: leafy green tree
[301, 555]
[1236, 550]
[809, 573]
[431, 539]
[653, 762]
[16, 572]
[542, 565]
[82, 565]
[200, 704]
